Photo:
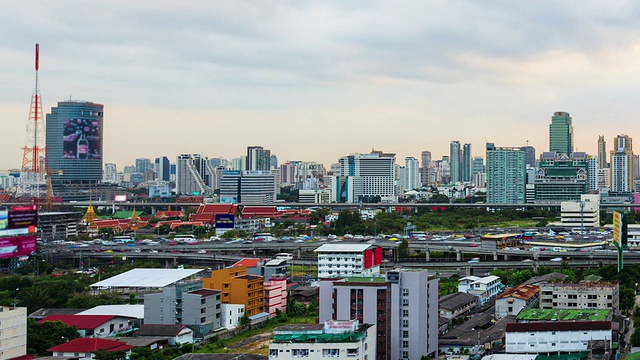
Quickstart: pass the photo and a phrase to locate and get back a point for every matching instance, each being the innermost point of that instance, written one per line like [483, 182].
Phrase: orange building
[238, 288]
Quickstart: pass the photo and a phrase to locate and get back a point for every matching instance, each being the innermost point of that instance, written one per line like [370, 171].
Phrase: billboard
[159, 191]
[17, 246]
[21, 217]
[617, 229]
[82, 139]
[225, 221]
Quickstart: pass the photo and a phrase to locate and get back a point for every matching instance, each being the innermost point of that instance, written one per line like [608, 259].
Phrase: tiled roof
[260, 211]
[160, 330]
[247, 262]
[89, 322]
[559, 326]
[87, 345]
[523, 292]
[456, 300]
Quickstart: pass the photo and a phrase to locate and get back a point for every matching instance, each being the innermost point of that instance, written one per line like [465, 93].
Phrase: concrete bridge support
[427, 255]
[458, 255]
[495, 256]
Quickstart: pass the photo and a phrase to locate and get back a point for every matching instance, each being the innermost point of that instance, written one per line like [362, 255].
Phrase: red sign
[17, 246]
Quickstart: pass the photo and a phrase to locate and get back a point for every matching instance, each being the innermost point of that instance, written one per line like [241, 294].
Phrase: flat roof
[143, 278]
[562, 315]
[134, 311]
[343, 248]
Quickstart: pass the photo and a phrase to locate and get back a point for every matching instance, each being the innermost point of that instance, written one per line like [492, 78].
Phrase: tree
[41, 337]
[403, 249]
[102, 354]
[244, 320]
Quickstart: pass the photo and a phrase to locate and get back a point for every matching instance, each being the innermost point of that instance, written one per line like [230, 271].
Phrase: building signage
[21, 217]
[17, 246]
[225, 221]
[617, 229]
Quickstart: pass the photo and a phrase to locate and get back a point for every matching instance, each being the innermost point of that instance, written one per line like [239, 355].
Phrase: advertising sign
[224, 221]
[82, 139]
[23, 217]
[17, 246]
[120, 198]
[159, 191]
[229, 199]
[617, 229]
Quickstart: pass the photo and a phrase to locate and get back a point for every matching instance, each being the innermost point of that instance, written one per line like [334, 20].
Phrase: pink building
[275, 295]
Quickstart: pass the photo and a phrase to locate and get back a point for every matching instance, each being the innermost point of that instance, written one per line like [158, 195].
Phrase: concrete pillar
[495, 256]
[506, 257]
[298, 253]
[468, 270]
[167, 263]
[427, 254]
[458, 255]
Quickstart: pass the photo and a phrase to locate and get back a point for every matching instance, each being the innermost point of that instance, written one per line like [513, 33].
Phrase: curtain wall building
[561, 133]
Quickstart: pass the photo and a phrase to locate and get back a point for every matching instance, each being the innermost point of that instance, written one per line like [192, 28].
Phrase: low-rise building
[84, 348]
[515, 299]
[201, 311]
[453, 305]
[531, 315]
[485, 288]
[583, 295]
[336, 260]
[584, 212]
[13, 332]
[238, 288]
[94, 325]
[231, 315]
[177, 333]
[338, 339]
[275, 295]
[557, 337]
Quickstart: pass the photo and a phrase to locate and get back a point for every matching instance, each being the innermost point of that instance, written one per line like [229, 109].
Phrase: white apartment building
[110, 173]
[194, 175]
[13, 332]
[485, 288]
[335, 339]
[231, 315]
[516, 298]
[366, 178]
[585, 212]
[556, 336]
[314, 196]
[585, 295]
[336, 260]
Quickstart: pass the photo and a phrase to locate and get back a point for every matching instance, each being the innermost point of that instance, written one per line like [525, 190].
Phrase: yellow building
[238, 288]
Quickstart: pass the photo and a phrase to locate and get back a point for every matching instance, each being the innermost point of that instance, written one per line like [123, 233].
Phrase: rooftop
[142, 278]
[204, 292]
[558, 326]
[87, 345]
[314, 333]
[523, 292]
[160, 330]
[88, 322]
[134, 311]
[456, 300]
[562, 315]
[343, 248]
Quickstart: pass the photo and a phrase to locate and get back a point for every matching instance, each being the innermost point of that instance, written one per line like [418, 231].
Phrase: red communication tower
[34, 158]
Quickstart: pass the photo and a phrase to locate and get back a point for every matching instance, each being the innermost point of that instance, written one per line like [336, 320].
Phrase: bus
[122, 239]
[284, 256]
[187, 239]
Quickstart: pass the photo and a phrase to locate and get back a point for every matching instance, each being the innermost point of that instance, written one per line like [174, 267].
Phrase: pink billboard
[17, 246]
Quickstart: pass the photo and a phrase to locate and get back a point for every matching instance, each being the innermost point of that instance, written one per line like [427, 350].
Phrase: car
[473, 245]
[556, 259]
[203, 251]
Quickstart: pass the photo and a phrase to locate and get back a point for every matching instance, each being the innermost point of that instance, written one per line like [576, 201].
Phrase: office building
[348, 259]
[366, 178]
[248, 187]
[402, 306]
[529, 156]
[505, 175]
[143, 165]
[334, 339]
[621, 164]
[561, 177]
[162, 167]
[13, 332]
[584, 212]
[602, 153]
[561, 133]
[238, 287]
[288, 173]
[455, 162]
[273, 163]
[592, 173]
[194, 175]
[74, 142]
[258, 159]
[466, 164]
[477, 166]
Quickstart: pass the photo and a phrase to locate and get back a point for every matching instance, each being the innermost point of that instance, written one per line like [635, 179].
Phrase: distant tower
[34, 151]
[455, 163]
[602, 152]
[621, 168]
[561, 133]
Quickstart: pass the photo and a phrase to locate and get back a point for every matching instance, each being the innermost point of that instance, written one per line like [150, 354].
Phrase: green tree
[102, 354]
[403, 249]
[48, 334]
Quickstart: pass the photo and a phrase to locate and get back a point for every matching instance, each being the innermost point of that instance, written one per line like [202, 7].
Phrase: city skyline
[316, 82]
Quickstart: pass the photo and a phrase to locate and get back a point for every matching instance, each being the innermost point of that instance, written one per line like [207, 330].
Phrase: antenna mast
[34, 156]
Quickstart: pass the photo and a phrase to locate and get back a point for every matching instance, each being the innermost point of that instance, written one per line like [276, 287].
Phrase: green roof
[374, 279]
[126, 214]
[561, 315]
[319, 338]
[572, 356]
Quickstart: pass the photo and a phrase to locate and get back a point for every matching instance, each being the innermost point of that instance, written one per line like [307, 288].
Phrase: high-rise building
[248, 187]
[143, 165]
[239, 163]
[367, 178]
[110, 173]
[592, 172]
[273, 162]
[287, 174]
[621, 164]
[602, 153]
[412, 175]
[258, 158]
[455, 162]
[163, 168]
[505, 175]
[477, 166]
[425, 167]
[561, 133]
[466, 165]
[403, 306]
[561, 177]
[529, 156]
[74, 142]
[194, 175]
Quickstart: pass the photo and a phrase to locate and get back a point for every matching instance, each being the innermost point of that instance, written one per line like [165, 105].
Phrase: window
[202, 319]
[273, 352]
[405, 334]
[405, 302]
[405, 344]
[353, 352]
[330, 352]
[405, 323]
[405, 292]
[300, 353]
[405, 354]
[405, 313]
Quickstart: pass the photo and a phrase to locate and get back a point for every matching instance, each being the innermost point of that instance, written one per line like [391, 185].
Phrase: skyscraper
[561, 133]
[412, 176]
[163, 168]
[143, 165]
[74, 142]
[455, 162]
[506, 176]
[529, 155]
[258, 158]
[466, 163]
[602, 153]
[622, 164]
[425, 167]
[194, 175]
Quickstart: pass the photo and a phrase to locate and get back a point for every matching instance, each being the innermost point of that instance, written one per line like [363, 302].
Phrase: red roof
[260, 211]
[558, 326]
[87, 345]
[163, 214]
[207, 212]
[89, 322]
[247, 262]
[522, 292]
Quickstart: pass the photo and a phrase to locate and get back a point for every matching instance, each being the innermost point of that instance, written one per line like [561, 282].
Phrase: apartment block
[585, 295]
[238, 288]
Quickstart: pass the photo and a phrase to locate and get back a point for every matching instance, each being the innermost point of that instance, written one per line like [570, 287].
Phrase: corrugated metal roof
[134, 311]
[147, 278]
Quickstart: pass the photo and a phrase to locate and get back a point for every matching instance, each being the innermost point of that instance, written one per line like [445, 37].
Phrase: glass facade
[561, 133]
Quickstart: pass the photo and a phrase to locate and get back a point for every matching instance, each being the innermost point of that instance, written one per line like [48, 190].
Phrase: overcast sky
[316, 80]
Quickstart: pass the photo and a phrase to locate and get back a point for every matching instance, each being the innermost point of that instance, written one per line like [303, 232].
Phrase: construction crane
[50, 188]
